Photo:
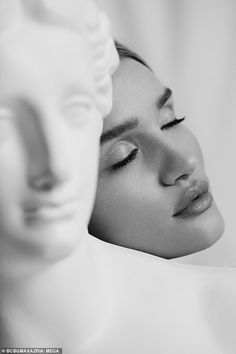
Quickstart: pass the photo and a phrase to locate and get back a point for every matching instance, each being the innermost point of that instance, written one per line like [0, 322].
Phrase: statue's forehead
[84, 19]
[45, 69]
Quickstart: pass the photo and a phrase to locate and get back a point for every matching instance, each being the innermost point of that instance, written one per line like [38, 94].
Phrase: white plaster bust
[55, 88]
[60, 287]
[56, 59]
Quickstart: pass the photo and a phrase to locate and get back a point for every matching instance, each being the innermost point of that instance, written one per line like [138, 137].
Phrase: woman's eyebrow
[119, 130]
[161, 101]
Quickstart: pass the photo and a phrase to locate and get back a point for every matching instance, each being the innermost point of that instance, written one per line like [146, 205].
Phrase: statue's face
[49, 134]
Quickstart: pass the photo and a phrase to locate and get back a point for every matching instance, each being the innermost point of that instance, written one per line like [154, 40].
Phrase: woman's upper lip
[195, 190]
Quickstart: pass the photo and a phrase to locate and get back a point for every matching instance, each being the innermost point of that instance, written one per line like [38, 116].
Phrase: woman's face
[153, 192]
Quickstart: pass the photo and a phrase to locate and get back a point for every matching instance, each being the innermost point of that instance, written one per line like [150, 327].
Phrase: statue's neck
[61, 303]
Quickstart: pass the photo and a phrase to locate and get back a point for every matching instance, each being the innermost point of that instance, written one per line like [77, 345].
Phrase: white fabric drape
[191, 45]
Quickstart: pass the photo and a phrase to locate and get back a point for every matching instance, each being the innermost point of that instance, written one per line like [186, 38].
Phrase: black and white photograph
[117, 176]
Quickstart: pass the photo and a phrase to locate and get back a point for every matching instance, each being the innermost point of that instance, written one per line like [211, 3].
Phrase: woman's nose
[178, 163]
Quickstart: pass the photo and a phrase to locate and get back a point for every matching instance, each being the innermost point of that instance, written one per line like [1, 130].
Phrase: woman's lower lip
[197, 206]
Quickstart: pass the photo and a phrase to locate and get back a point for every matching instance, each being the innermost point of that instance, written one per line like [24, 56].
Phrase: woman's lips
[195, 200]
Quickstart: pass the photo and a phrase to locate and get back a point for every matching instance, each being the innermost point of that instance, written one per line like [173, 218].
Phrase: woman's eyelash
[127, 160]
[172, 123]
[133, 154]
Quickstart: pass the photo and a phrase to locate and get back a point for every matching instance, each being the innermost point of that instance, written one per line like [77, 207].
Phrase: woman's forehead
[135, 90]
[130, 72]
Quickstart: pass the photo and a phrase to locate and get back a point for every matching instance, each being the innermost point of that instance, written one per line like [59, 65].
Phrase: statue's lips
[51, 211]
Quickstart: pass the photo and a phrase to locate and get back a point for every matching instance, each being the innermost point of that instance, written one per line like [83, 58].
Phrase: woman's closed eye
[127, 160]
[125, 153]
[122, 154]
[172, 123]
[167, 118]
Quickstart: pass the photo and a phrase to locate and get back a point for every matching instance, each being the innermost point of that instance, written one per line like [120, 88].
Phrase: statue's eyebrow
[119, 130]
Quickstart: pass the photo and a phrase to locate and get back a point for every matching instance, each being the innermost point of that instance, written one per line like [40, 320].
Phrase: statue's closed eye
[78, 109]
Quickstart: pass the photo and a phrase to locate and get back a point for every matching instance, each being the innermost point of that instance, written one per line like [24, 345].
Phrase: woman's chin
[198, 234]
[215, 226]
[209, 231]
